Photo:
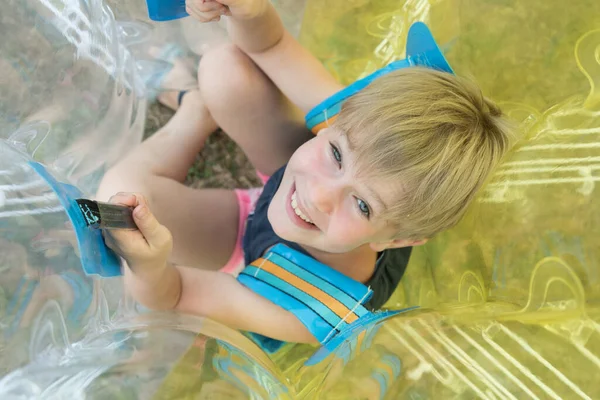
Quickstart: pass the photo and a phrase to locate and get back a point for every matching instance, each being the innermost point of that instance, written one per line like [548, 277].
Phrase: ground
[220, 164]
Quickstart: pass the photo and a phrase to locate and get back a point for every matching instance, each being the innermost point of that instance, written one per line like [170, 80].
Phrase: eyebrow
[372, 194]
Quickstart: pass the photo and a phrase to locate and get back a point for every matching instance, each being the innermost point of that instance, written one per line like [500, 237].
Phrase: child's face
[321, 184]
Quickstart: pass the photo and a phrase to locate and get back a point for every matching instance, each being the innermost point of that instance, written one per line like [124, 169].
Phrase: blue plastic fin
[323, 299]
[96, 257]
[422, 49]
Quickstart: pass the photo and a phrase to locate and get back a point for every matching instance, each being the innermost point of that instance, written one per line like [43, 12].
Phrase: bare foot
[179, 79]
[173, 98]
[192, 96]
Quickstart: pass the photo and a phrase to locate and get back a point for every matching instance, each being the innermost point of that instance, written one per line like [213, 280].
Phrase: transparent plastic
[70, 86]
[509, 299]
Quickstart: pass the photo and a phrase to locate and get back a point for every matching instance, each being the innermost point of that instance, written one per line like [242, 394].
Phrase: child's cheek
[344, 230]
[311, 155]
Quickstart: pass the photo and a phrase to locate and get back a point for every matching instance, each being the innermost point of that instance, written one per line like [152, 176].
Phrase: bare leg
[250, 108]
[235, 95]
[203, 222]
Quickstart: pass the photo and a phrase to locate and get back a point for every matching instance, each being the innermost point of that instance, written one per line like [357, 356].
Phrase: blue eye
[363, 208]
[336, 154]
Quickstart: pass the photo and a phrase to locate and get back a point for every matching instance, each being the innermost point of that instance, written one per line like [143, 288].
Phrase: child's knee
[225, 74]
[119, 179]
[223, 61]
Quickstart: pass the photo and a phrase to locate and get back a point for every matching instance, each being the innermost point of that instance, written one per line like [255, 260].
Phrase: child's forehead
[384, 187]
[364, 167]
[380, 188]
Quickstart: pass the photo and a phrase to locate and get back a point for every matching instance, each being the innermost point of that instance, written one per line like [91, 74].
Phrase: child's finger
[208, 6]
[114, 243]
[205, 16]
[124, 199]
[109, 241]
[132, 246]
[156, 235]
[205, 12]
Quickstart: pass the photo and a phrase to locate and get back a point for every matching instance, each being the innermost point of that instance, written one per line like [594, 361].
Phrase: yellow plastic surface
[510, 297]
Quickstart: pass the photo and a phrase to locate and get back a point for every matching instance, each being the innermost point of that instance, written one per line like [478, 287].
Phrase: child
[400, 164]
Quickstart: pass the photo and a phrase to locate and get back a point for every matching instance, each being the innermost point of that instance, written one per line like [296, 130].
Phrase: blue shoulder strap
[324, 300]
[327, 302]
[421, 50]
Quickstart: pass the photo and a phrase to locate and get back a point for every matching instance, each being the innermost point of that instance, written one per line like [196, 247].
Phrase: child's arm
[256, 29]
[215, 295]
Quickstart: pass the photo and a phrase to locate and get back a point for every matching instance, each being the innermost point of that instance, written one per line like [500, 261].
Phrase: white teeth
[297, 210]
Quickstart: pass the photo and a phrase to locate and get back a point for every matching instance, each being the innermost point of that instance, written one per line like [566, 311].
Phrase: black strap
[180, 97]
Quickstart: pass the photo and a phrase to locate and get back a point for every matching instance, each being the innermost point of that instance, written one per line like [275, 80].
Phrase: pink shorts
[247, 199]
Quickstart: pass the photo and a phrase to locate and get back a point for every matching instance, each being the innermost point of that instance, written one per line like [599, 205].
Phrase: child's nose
[324, 195]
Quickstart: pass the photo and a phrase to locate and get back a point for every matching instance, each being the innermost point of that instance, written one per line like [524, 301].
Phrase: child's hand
[212, 10]
[146, 248]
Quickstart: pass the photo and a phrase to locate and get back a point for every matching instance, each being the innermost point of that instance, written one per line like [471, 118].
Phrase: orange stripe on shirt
[334, 305]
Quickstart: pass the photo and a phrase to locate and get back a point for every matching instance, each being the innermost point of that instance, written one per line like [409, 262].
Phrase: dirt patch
[221, 164]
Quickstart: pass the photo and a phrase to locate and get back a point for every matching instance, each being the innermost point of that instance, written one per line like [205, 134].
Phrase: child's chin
[278, 224]
[286, 232]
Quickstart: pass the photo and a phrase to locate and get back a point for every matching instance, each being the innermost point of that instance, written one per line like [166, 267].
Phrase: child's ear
[396, 244]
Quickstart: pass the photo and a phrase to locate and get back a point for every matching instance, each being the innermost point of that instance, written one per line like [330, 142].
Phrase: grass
[221, 164]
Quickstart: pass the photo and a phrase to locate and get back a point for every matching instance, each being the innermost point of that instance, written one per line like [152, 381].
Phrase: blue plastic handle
[166, 10]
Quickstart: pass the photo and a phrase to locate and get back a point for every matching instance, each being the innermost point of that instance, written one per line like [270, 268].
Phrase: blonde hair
[433, 133]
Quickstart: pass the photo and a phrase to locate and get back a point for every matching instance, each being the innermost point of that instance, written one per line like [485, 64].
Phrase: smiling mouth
[299, 213]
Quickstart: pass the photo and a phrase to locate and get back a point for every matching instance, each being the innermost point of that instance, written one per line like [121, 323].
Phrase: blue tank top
[259, 237]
